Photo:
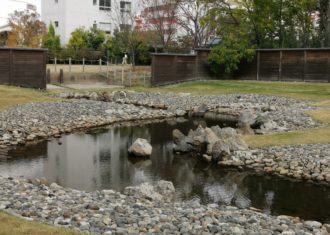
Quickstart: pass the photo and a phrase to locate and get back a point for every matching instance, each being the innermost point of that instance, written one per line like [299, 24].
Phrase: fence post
[55, 64]
[61, 76]
[83, 65]
[100, 63]
[48, 76]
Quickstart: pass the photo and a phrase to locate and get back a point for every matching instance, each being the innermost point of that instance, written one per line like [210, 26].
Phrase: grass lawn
[11, 96]
[309, 91]
[10, 225]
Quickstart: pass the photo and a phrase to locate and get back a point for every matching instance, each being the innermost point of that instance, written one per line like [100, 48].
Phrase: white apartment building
[68, 15]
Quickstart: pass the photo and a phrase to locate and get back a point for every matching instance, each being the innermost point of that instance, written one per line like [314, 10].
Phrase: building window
[106, 27]
[94, 2]
[56, 24]
[125, 6]
[105, 5]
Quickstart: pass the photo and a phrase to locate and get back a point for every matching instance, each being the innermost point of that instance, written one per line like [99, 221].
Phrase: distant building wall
[268, 65]
[72, 14]
[23, 67]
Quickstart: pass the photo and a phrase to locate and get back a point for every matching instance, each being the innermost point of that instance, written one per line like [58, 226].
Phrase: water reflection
[98, 160]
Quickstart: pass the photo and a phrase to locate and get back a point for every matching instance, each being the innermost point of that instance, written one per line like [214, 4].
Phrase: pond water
[98, 159]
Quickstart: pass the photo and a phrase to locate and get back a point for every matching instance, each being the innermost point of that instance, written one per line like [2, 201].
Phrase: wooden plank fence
[23, 67]
[312, 65]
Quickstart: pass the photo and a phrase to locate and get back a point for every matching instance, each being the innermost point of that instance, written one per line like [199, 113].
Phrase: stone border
[140, 210]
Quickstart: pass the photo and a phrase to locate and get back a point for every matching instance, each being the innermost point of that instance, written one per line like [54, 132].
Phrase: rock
[210, 137]
[220, 150]
[94, 96]
[180, 113]
[141, 148]
[55, 186]
[312, 224]
[234, 140]
[178, 136]
[165, 188]
[92, 207]
[7, 137]
[44, 181]
[247, 118]
[207, 158]
[144, 191]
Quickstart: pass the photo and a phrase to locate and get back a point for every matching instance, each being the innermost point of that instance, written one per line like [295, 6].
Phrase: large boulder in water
[215, 142]
[141, 148]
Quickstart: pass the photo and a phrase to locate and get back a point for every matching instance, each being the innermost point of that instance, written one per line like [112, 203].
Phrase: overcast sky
[9, 6]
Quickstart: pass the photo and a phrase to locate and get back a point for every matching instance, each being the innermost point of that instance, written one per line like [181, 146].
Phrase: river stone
[220, 150]
[166, 189]
[207, 158]
[141, 148]
[144, 191]
[312, 224]
[247, 117]
[178, 136]
[210, 137]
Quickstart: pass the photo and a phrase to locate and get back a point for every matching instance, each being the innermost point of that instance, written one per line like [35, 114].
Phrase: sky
[9, 6]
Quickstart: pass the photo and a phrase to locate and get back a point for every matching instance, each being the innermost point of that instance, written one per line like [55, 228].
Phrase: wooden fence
[268, 65]
[23, 67]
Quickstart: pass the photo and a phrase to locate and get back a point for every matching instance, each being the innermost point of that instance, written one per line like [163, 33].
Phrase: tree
[189, 19]
[160, 16]
[127, 37]
[52, 42]
[325, 23]
[246, 24]
[95, 38]
[26, 29]
[78, 43]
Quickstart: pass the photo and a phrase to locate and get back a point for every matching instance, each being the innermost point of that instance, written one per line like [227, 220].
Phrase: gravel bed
[41, 120]
[307, 162]
[286, 114]
[140, 211]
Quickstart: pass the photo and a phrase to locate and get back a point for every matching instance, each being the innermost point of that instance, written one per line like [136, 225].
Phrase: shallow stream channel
[98, 159]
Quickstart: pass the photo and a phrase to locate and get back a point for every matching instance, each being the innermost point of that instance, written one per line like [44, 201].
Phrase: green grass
[11, 225]
[310, 91]
[11, 96]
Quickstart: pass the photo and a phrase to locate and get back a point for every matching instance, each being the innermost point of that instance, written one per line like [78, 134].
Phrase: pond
[98, 159]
